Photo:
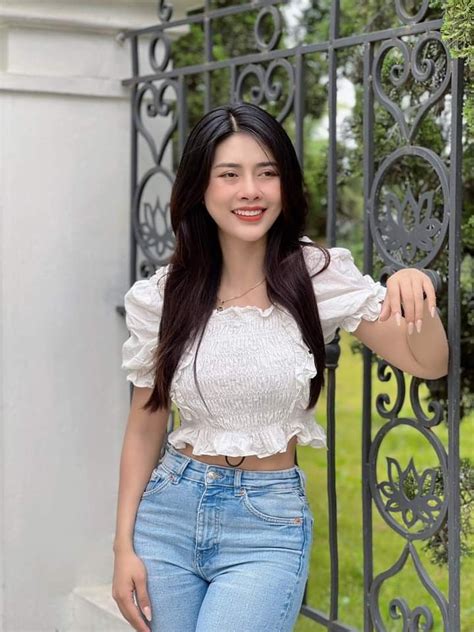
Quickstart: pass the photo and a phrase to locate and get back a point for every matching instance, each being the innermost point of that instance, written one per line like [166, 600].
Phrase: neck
[242, 263]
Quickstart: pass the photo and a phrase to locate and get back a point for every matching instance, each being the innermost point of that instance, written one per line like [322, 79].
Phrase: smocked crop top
[254, 369]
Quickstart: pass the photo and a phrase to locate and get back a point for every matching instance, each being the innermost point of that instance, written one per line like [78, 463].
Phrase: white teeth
[250, 213]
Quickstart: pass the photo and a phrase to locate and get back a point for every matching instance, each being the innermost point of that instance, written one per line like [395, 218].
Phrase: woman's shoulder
[147, 292]
[321, 259]
[333, 271]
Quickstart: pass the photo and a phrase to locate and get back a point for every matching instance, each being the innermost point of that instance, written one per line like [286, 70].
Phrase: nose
[249, 189]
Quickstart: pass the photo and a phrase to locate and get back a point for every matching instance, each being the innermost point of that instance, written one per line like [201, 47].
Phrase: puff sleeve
[343, 294]
[143, 307]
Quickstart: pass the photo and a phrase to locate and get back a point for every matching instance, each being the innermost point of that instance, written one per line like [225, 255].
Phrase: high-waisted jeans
[225, 549]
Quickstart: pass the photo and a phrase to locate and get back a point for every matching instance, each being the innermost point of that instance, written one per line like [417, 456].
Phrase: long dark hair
[195, 267]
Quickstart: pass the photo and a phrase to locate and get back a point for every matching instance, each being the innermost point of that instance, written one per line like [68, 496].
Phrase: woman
[217, 537]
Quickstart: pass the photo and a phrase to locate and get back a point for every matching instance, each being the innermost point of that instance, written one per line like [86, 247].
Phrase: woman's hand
[406, 288]
[130, 576]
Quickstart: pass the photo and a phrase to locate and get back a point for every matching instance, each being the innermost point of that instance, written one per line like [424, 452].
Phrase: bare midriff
[280, 461]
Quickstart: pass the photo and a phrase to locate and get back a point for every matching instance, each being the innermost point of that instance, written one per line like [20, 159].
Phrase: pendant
[219, 308]
[231, 464]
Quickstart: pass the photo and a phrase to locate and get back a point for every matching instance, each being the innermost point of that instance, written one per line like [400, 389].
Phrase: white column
[64, 256]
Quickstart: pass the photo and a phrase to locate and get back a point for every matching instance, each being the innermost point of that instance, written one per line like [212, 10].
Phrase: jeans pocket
[276, 506]
[159, 480]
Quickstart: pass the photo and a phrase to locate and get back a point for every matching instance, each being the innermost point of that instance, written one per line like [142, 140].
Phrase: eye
[228, 173]
[269, 173]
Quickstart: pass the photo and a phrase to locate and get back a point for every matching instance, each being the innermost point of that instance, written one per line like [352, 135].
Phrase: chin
[246, 232]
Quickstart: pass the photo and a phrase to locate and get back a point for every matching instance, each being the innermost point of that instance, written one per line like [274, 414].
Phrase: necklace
[219, 308]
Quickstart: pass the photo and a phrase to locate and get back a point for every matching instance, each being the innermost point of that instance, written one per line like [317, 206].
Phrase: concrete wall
[64, 256]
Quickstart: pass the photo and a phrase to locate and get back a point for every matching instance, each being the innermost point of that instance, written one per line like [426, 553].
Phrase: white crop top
[253, 368]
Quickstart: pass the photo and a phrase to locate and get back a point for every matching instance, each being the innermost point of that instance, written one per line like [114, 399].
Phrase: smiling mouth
[249, 212]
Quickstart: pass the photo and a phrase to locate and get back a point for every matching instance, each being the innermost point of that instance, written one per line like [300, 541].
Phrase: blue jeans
[226, 549]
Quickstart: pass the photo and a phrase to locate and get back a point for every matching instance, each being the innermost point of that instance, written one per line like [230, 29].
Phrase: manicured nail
[433, 311]
[418, 326]
[410, 328]
[398, 318]
[147, 613]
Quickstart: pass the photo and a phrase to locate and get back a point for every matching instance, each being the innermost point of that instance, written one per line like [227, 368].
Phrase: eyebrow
[235, 165]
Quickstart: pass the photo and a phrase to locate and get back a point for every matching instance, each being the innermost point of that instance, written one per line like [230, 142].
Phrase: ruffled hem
[261, 443]
[366, 298]
[146, 380]
[370, 310]
[138, 362]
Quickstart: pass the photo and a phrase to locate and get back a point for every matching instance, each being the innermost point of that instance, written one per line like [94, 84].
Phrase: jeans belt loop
[302, 476]
[237, 482]
[178, 466]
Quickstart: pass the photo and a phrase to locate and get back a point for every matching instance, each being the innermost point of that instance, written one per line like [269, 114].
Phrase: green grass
[402, 444]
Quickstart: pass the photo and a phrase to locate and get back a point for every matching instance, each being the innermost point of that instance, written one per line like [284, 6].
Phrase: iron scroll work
[159, 118]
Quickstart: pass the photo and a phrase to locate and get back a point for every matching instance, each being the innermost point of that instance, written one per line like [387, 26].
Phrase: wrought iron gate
[407, 222]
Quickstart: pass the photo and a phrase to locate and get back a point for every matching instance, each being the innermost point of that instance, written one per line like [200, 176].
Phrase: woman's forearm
[141, 449]
[430, 346]
[139, 456]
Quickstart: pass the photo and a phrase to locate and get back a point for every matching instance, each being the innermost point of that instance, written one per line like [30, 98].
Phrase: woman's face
[243, 178]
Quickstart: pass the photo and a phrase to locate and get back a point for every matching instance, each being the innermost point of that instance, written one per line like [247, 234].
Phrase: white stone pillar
[64, 256]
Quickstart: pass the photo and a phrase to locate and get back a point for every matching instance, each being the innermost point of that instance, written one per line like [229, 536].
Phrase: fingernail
[433, 311]
[410, 328]
[147, 613]
[398, 318]
[418, 325]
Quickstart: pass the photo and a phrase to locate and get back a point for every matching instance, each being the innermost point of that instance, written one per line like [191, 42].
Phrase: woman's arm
[417, 343]
[423, 354]
[140, 452]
